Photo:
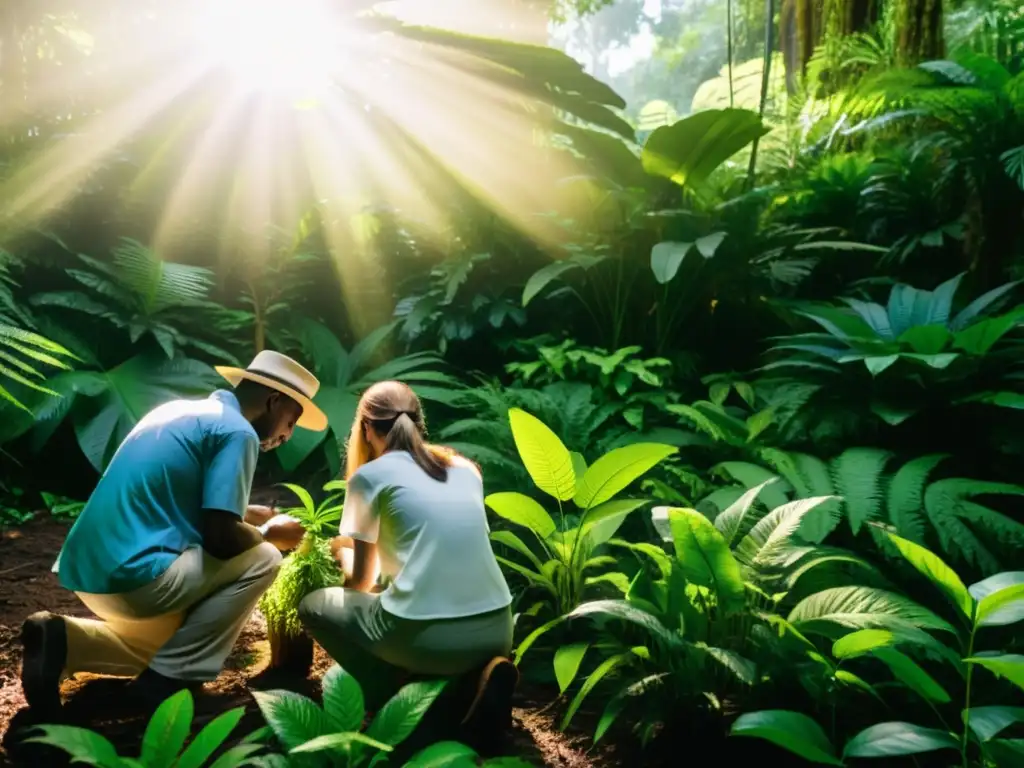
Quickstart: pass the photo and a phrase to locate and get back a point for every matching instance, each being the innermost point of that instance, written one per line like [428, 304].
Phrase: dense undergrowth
[749, 411]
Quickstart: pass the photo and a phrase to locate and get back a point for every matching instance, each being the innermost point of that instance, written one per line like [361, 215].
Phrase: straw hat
[280, 372]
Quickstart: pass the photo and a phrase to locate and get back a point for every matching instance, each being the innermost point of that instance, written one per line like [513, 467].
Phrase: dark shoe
[490, 712]
[151, 688]
[44, 642]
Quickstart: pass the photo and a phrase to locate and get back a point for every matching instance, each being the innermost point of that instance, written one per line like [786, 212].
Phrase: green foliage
[691, 149]
[569, 547]
[939, 512]
[996, 601]
[163, 743]
[692, 619]
[144, 295]
[916, 349]
[312, 566]
[344, 374]
[332, 735]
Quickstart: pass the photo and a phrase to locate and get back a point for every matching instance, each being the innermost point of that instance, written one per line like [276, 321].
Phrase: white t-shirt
[431, 537]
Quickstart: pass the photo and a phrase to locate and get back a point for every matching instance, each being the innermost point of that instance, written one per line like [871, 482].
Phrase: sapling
[310, 567]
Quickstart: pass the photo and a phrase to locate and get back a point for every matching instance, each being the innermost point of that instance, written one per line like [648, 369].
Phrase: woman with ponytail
[414, 512]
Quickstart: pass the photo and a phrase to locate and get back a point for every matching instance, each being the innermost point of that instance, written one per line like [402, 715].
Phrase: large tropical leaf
[617, 469]
[106, 405]
[545, 456]
[830, 611]
[688, 151]
[704, 556]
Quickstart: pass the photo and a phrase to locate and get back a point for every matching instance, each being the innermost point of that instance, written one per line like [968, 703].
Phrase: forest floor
[27, 553]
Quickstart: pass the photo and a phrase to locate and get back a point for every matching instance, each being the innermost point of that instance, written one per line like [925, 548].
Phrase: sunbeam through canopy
[231, 114]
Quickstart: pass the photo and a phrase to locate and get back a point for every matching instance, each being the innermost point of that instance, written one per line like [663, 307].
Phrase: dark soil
[27, 585]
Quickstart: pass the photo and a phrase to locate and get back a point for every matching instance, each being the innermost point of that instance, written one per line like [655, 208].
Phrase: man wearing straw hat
[164, 552]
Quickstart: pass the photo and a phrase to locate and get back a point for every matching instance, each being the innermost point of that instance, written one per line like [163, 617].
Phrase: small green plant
[332, 735]
[568, 546]
[163, 743]
[994, 602]
[311, 567]
[61, 507]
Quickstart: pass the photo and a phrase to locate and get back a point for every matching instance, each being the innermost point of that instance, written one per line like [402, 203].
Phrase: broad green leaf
[941, 575]
[790, 730]
[294, 718]
[989, 722]
[339, 742]
[926, 339]
[522, 510]
[741, 668]
[895, 739]
[602, 522]
[403, 711]
[708, 244]
[444, 754]
[1000, 600]
[980, 337]
[1008, 665]
[1007, 753]
[343, 700]
[621, 609]
[545, 458]
[666, 258]
[617, 469]
[512, 541]
[567, 663]
[688, 151]
[210, 738]
[129, 392]
[861, 608]
[878, 364]
[907, 671]
[704, 556]
[540, 279]
[862, 641]
[81, 744]
[167, 730]
[239, 754]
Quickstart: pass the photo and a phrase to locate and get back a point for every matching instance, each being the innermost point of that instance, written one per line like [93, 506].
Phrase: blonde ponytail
[393, 411]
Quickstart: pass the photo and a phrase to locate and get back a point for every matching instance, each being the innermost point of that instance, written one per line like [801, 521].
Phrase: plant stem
[967, 702]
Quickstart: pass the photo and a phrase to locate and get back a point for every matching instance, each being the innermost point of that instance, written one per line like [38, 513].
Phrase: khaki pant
[182, 625]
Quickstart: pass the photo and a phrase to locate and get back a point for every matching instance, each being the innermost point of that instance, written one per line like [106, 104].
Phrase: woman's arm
[358, 561]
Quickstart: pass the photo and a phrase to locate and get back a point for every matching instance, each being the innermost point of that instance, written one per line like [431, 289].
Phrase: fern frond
[157, 284]
[905, 499]
[858, 473]
[949, 506]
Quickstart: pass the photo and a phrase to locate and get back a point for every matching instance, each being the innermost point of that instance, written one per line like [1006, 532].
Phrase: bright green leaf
[790, 730]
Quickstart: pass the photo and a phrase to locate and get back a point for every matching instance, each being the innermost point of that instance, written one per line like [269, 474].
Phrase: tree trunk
[920, 31]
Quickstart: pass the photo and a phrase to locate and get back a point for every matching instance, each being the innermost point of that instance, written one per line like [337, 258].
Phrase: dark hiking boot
[44, 643]
[151, 688]
[489, 715]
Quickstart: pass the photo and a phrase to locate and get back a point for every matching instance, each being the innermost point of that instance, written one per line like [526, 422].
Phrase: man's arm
[225, 536]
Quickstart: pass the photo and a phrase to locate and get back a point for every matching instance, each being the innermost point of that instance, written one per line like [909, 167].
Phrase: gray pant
[183, 624]
[378, 648]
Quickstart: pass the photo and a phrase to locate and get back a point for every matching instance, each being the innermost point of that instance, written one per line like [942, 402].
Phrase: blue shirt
[181, 458]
